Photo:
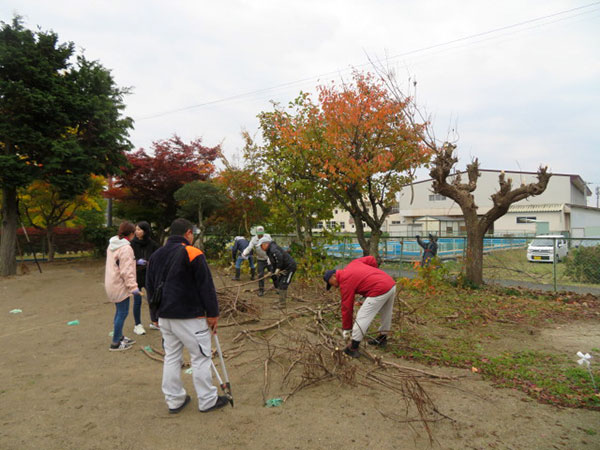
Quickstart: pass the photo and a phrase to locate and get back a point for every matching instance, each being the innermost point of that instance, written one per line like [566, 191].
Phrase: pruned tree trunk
[8, 239]
[474, 256]
[462, 193]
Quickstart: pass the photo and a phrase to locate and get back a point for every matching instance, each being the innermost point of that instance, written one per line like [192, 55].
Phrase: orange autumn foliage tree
[246, 207]
[358, 143]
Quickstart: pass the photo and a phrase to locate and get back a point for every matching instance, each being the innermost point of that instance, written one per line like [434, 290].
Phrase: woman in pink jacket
[120, 281]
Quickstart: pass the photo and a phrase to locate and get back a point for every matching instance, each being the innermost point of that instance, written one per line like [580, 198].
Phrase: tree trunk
[360, 235]
[307, 234]
[50, 240]
[201, 229]
[374, 244]
[474, 255]
[298, 226]
[8, 239]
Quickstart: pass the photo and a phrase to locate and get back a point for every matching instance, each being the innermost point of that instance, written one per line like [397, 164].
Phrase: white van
[543, 248]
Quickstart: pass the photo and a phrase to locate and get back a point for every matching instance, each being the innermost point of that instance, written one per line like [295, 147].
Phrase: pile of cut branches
[306, 359]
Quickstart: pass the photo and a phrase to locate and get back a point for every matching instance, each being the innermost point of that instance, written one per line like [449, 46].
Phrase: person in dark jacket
[187, 316]
[143, 247]
[283, 267]
[429, 249]
[237, 254]
[362, 276]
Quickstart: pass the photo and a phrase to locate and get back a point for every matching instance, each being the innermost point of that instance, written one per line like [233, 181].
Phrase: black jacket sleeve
[205, 285]
[150, 278]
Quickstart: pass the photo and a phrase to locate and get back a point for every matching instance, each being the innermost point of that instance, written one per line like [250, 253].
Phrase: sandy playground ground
[62, 389]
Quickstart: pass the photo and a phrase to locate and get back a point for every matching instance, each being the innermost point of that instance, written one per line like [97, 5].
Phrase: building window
[396, 222]
[395, 210]
[525, 219]
[335, 211]
[343, 225]
[436, 197]
[319, 225]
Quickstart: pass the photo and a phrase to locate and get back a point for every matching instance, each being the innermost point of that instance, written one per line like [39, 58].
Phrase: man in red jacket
[362, 276]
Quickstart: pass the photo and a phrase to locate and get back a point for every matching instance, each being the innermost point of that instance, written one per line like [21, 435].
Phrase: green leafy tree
[60, 121]
[198, 200]
[45, 210]
[297, 201]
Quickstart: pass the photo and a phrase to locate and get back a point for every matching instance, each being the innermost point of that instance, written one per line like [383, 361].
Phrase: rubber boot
[352, 349]
[252, 274]
[282, 298]
[237, 275]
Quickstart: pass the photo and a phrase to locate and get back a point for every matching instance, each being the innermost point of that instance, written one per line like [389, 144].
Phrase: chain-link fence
[556, 263]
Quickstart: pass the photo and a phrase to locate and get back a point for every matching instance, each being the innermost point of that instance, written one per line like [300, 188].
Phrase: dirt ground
[62, 389]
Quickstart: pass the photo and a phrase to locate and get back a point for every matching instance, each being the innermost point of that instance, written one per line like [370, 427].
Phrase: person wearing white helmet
[261, 256]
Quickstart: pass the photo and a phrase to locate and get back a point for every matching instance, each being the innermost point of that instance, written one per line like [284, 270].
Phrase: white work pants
[195, 335]
[383, 304]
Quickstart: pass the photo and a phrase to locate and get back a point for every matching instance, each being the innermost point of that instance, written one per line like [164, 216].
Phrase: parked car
[544, 248]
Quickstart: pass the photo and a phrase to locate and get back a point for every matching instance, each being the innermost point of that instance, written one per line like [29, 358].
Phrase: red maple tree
[146, 189]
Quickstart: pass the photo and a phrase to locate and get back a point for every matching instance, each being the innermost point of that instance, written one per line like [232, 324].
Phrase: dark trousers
[283, 280]
[262, 265]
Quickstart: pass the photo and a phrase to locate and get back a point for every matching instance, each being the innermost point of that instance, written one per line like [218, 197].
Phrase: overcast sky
[521, 96]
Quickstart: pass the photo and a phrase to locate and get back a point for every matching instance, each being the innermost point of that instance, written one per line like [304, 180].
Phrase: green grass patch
[454, 351]
[549, 378]
[439, 324]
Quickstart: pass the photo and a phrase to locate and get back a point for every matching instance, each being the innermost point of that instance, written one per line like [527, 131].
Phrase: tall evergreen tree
[60, 121]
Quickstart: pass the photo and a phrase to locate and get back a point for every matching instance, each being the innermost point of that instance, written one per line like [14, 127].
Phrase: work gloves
[136, 291]
[141, 262]
[346, 334]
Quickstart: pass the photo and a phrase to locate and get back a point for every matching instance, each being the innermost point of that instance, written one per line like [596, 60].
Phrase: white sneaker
[139, 329]
[120, 347]
[153, 327]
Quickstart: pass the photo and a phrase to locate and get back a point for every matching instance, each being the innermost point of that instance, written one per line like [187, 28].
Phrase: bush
[583, 264]
[215, 246]
[98, 237]
[65, 240]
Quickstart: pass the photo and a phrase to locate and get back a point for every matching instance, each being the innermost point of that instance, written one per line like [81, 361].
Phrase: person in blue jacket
[237, 254]
[429, 249]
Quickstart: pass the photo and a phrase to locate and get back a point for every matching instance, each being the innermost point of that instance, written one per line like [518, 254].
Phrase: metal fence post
[554, 258]
[401, 251]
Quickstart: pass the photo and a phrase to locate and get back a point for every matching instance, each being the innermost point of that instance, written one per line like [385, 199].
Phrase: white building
[561, 208]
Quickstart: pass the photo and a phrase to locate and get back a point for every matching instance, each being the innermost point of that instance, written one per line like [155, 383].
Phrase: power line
[400, 55]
